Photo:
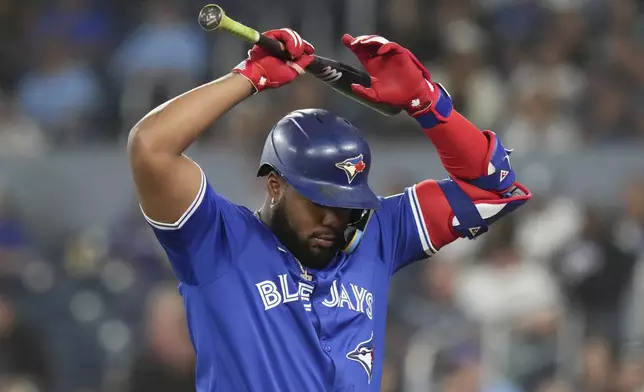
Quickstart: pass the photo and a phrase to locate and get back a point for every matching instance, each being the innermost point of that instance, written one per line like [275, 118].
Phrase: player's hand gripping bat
[337, 75]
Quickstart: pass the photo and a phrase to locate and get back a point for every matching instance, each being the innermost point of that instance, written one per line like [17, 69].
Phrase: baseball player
[293, 296]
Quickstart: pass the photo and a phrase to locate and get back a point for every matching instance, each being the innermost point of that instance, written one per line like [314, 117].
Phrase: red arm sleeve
[462, 147]
[481, 187]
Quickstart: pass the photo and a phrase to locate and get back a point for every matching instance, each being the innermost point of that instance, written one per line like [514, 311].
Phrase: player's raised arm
[481, 187]
[166, 181]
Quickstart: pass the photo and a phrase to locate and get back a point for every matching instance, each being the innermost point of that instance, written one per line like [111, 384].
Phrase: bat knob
[210, 17]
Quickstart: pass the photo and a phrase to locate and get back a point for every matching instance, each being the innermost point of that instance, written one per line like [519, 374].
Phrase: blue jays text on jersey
[274, 294]
[257, 325]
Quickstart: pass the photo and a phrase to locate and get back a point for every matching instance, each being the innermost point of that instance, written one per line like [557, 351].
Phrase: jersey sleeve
[405, 238]
[201, 245]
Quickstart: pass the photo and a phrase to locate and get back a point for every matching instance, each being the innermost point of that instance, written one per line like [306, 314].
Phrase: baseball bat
[337, 75]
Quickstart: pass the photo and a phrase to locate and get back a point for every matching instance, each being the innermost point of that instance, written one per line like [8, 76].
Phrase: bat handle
[274, 47]
[322, 68]
[326, 70]
[341, 76]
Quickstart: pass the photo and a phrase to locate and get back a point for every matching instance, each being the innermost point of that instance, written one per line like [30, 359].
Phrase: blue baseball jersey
[257, 324]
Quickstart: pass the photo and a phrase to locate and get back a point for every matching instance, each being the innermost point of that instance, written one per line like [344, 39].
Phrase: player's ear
[275, 185]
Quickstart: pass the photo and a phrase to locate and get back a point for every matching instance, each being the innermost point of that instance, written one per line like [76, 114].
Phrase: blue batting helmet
[323, 157]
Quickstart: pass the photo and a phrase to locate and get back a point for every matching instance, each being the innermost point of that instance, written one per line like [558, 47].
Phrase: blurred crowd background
[548, 301]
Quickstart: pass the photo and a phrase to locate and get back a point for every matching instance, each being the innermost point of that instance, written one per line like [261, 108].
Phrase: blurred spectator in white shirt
[518, 305]
[505, 289]
[20, 136]
[549, 220]
[539, 126]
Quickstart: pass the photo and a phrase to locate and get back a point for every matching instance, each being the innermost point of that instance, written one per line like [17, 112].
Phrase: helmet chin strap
[355, 230]
[352, 234]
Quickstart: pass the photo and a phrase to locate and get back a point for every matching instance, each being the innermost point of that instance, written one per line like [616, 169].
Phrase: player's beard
[317, 258]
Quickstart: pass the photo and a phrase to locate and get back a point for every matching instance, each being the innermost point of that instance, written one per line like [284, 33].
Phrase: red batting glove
[265, 71]
[397, 77]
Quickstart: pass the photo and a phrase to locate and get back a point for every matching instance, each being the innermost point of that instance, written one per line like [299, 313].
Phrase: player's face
[313, 233]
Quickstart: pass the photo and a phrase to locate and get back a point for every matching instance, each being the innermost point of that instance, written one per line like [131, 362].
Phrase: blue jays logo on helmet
[352, 166]
[364, 355]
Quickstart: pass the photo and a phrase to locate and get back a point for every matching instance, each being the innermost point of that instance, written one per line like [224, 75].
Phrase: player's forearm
[172, 127]
[462, 147]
